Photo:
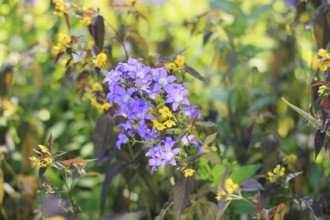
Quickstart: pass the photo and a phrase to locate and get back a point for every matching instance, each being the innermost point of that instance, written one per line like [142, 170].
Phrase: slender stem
[75, 209]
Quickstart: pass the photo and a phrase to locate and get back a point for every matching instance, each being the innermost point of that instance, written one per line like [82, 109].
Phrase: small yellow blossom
[323, 90]
[61, 8]
[169, 123]
[158, 99]
[86, 20]
[304, 17]
[322, 53]
[179, 61]
[278, 172]
[159, 126]
[100, 60]
[44, 149]
[188, 172]
[165, 112]
[231, 187]
[170, 66]
[101, 105]
[290, 159]
[219, 195]
[64, 38]
[324, 62]
[206, 151]
[63, 41]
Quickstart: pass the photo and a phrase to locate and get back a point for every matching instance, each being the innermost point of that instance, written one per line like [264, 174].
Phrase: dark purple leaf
[109, 175]
[37, 150]
[194, 73]
[315, 207]
[194, 157]
[206, 37]
[291, 176]
[182, 190]
[268, 191]
[42, 172]
[178, 53]
[50, 142]
[59, 153]
[250, 185]
[58, 56]
[97, 30]
[163, 60]
[222, 184]
[318, 141]
[102, 137]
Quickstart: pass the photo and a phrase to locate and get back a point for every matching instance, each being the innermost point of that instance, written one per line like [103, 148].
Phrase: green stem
[74, 207]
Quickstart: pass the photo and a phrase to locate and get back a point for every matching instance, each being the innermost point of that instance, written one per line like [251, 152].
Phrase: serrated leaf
[292, 175]
[194, 73]
[209, 139]
[318, 141]
[182, 190]
[250, 185]
[315, 123]
[109, 175]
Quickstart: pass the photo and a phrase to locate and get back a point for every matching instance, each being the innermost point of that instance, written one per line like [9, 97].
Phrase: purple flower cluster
[135, 92]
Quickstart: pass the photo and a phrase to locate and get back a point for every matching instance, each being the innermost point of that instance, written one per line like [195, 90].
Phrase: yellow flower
[100, 60]
[304, 17]
[219, 195]
[60, 6]
[86, 20]
[44, 149]
[322, 53]
[231, 187]
[179, 61]
[278, 172]
[158, 126]
[169, 123]
[170, 66]
[290, 159]
[101, 105]
[165, 112]
[188, 172]
[64, 38]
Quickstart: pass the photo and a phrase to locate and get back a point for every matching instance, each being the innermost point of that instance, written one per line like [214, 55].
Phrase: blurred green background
[251, 52]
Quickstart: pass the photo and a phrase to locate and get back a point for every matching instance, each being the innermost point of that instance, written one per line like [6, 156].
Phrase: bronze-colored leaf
[102, 137]
[97, 30]
[82, 82]
[318, 141]
[109, 175]
[182, 190]
[67, 21]
[194, 73]
[6, 78]
[321, 26]
[207, 37]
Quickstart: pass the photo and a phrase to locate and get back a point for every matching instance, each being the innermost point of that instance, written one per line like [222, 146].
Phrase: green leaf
[315, 123]
[243, 173]
[209, 139]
